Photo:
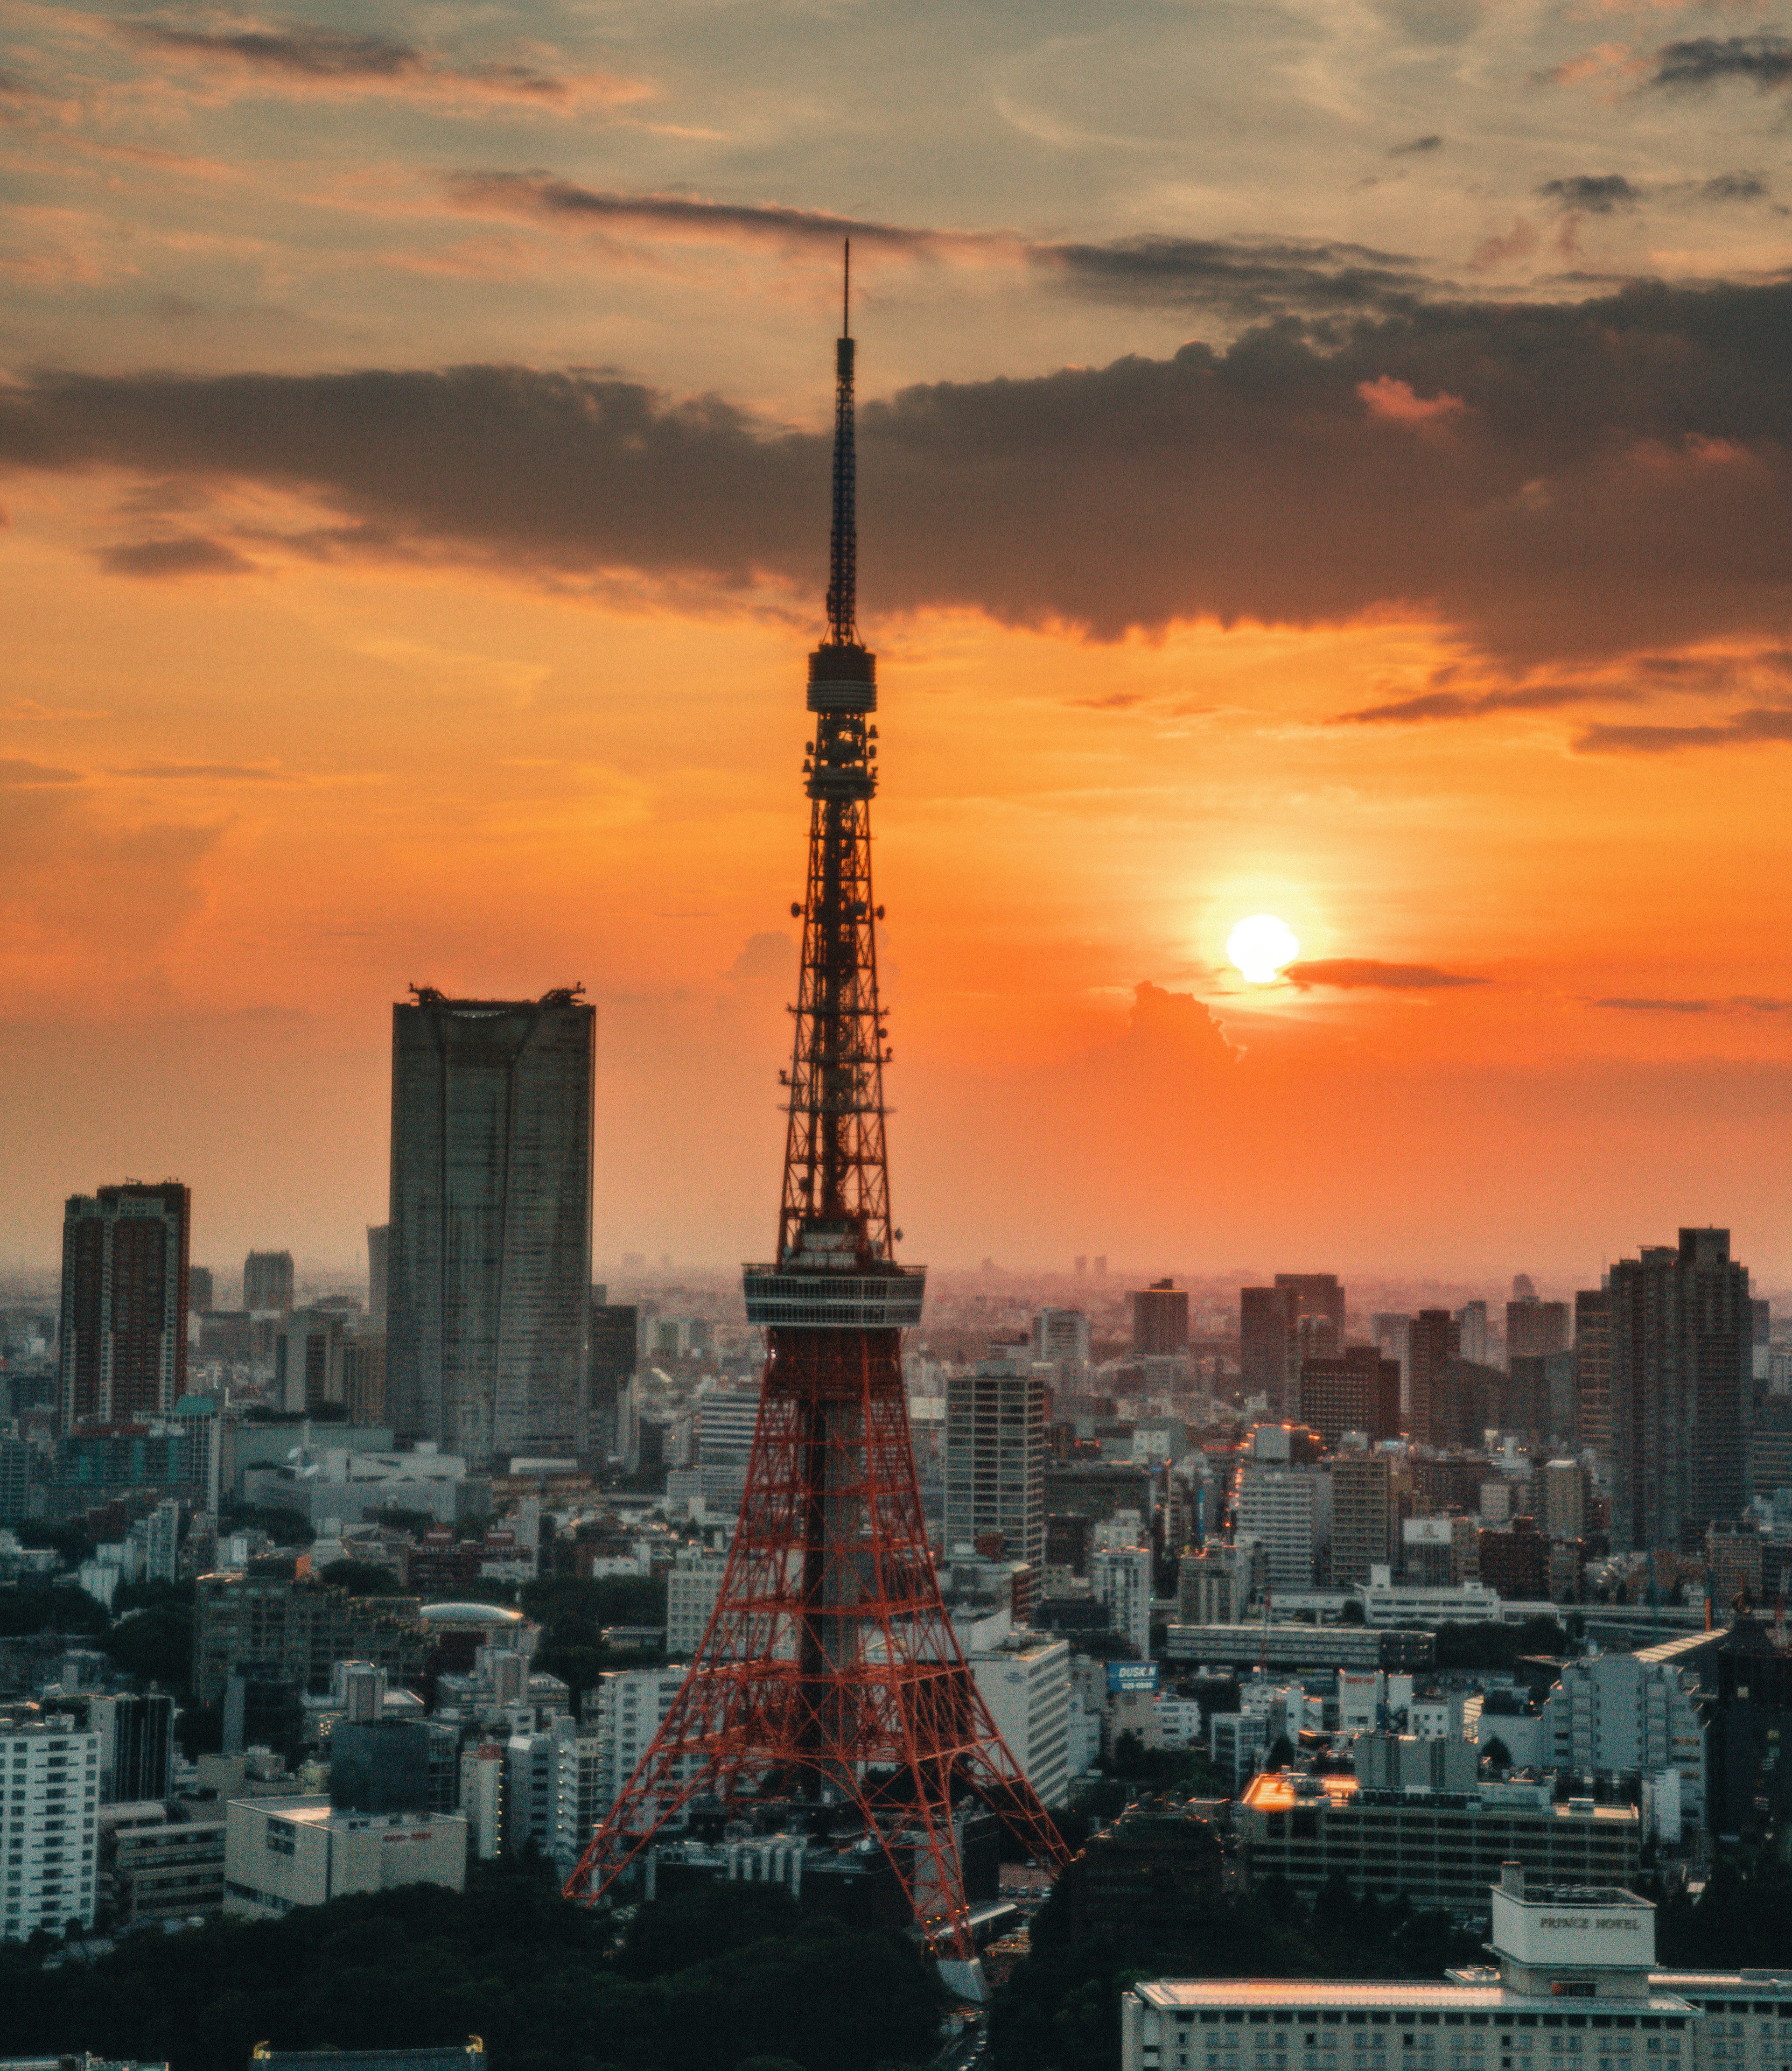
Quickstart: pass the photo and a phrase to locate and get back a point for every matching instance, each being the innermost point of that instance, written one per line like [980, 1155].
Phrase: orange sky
[310, 693]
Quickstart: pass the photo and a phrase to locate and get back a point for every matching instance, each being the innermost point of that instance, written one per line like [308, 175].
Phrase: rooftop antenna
[842, 570]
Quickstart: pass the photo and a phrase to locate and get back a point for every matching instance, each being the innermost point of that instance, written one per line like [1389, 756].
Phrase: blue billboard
[1133, 1678]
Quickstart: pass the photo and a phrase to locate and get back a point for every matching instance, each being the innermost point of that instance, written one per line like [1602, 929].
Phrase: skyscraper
[1314, 1299]
[1434, 1340]
[268, 1283]
[1535, 1329]
[379, 1247]
[1355, 1390]
[488, 1258]
[1362, 1512]
[122, 1355]
[995, 1460]
[1681, 1390]
[1592, 1370]
[1160, 1320]
[1263, 1345]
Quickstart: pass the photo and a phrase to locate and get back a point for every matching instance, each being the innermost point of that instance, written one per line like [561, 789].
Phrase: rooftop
[1174, 1994]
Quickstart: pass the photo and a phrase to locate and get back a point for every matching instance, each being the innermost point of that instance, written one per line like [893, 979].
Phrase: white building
[1573, 1988]
[1288, 1511]
[1630, 1715]
[541, 1794]
[692, 1588]
[482, 1799]
[1061, 1337]
[282, 1852]
[49, 1823]
[1121, 1579]
[631, 1705]
[1025, 1680]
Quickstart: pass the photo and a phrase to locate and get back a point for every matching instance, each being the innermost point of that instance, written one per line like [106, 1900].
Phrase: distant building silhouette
[1160, 1321]
[268, 1283]
[1263, 1345]
[1593, 1371]
[1434, 1339]
[1353, 1390]
[378, 1250]
[489, 1263]
[122, 1355]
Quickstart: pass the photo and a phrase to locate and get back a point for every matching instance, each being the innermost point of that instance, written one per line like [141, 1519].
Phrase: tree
[1282, 1753]
[361, 1578]
[1497, 1754]
[1352, 1612]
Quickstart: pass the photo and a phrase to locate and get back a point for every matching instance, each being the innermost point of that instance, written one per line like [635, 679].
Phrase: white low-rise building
[283, 1853]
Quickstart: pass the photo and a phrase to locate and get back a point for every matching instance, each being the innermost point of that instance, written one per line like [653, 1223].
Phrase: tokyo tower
[830, 1671]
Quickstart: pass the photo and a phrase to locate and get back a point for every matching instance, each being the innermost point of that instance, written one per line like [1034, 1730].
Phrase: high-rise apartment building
[1361, 1514]
[1287, 1510]
[1535, 1329]
[49, 1823]
[268, 1283]
[124, 1293]
[1433, 1342]
[1593, 1371]
[488, 1259]
[1681, 1390]
[1121, 1578]
[1160, 1321]
[1475, 1335]
[136, 1744]
[995, 1418]
[1263, 1350]
[1565, 1499]
[1060, 1336]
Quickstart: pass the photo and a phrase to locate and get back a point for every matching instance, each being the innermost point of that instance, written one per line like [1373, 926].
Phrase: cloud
[1764, 59]
[191, 556]
[230, 772]
[1418, 143]
[1352, 973]
[302, 57]
[1761, 725]
[1250, 277]
[16, 775]
[1597, 194]
[1619, 476]
[1737, 1003]
[1734, 187]
[1473, 704]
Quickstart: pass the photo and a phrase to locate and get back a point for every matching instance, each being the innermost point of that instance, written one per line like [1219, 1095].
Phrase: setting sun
[1261, 945]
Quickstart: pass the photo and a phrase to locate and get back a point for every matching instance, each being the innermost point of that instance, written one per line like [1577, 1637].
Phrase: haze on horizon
[1331, 462]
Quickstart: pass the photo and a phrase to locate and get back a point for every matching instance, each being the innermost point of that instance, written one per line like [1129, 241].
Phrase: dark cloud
[191, 556]
[228, 772]
[309, 58]
[1570, 482]
[1472, 704]
[1738, 1003]
[1759, 726]
[1353, 973]
[1597, 194]
[1418, 143]
[16, 775]
[542, 196]
[1764, 59]
[1251, 277]
[1734, 187]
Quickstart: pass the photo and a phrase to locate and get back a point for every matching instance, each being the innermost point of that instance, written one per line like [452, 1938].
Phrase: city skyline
[1356, 537]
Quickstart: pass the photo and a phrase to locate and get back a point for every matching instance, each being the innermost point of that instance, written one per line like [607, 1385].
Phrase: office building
[49, 1822]
[1362, 1516]
[268, 1283]
[1061, 1337]
[1357, 1389]
[692, 1588]
[489, 1260]
[199, 1290]
[1433, 1342]
[1565, 1499]
[995, 1425]
[614, 1336]
[1121, 1578]
[1025, 1680]
[1160, 1321]
[1682, 1389]
[1096, 1490]
[362, 1364]
[1314, 1308]
[308, 1345]
[1515, 1561]
[122, 1349]
[156, 1870]
[1263, 1346]
[136, 1738]
[378, 1251]
[283, 1853]
[1287, 1510]
[292, 1634]
[1442, 1849]
[726, 1418]
[1593, 1371]
[1623, 1717]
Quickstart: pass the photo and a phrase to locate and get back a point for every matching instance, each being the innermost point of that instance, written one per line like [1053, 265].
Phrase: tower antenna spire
[842, 560]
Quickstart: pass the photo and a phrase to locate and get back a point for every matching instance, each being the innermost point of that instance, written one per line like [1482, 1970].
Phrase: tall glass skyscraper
[489, 1262]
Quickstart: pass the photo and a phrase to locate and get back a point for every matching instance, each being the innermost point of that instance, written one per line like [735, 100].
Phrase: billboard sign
[1132, 1678]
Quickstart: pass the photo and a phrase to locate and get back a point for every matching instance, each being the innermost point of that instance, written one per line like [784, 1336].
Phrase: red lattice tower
[830, 1667]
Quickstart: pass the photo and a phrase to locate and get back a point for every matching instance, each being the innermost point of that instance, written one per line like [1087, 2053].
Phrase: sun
[1261, 945]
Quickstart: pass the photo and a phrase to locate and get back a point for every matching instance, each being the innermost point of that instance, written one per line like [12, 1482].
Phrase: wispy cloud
[207, 773]
[1595, 193]
[1353, 973]
[302, 57]
[18, 775]
[1473, 704]
[189, 556]
[1737, 1003]
[1759, 726]
[1417, 145]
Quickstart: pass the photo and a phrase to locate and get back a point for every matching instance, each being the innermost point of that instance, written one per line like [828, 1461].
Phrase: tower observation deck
[830, 1669]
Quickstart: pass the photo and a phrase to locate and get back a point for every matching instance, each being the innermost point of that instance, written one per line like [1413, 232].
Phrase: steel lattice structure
[830, 1667]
